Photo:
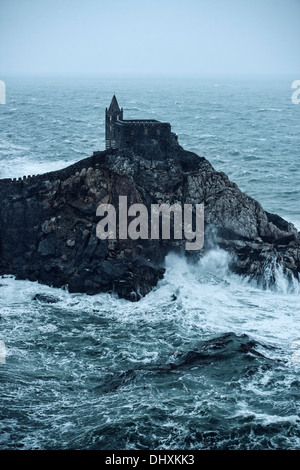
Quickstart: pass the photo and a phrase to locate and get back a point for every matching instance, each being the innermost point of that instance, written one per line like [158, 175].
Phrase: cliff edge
[48, 222]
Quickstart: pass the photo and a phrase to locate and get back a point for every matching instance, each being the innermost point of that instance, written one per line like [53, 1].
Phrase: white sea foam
[24, 167]
[209, 299]
[102, 361]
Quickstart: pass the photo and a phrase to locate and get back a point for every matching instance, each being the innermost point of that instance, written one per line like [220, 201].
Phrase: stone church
[120, 133]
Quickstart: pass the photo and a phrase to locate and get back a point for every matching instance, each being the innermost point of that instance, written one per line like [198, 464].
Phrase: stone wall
[10, 186]
[129, 132]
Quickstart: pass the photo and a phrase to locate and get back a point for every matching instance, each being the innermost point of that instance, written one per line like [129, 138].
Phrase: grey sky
[149, 36]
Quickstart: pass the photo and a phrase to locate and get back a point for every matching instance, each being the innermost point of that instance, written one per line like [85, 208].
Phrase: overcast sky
[149, 36]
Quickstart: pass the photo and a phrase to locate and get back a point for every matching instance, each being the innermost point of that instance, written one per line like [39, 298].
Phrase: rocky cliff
[48, 222]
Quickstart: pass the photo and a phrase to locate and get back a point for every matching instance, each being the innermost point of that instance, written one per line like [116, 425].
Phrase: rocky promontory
[48, 222]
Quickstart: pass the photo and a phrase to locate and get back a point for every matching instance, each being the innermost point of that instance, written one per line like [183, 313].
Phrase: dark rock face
[49, 299]
[48, 222]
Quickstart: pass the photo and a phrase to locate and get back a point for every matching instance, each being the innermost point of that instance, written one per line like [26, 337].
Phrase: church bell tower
[112, 115]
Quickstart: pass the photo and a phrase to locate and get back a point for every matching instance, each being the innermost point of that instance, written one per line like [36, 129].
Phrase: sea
[208, 360]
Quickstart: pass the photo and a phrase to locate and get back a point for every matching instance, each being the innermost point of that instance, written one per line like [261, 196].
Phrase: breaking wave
[208, 359]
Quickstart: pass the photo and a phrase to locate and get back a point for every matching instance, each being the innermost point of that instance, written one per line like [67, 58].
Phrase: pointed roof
[113, 107]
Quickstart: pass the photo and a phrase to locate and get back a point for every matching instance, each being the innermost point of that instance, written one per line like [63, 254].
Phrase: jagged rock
[48, 222]
[49, 299]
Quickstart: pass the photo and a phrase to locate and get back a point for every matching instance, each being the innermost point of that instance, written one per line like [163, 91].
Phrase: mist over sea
[217, 368]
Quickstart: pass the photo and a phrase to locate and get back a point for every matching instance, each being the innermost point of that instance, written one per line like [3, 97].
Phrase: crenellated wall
[10, 185]
[129, 132]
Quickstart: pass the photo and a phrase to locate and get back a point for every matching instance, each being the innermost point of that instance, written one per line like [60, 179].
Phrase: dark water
[217, 368]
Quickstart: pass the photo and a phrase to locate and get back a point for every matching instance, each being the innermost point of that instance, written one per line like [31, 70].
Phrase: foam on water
[213, 299]
[208, 359]
[79, 360]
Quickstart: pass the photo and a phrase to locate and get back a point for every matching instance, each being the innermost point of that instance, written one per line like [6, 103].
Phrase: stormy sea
[207, 360]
